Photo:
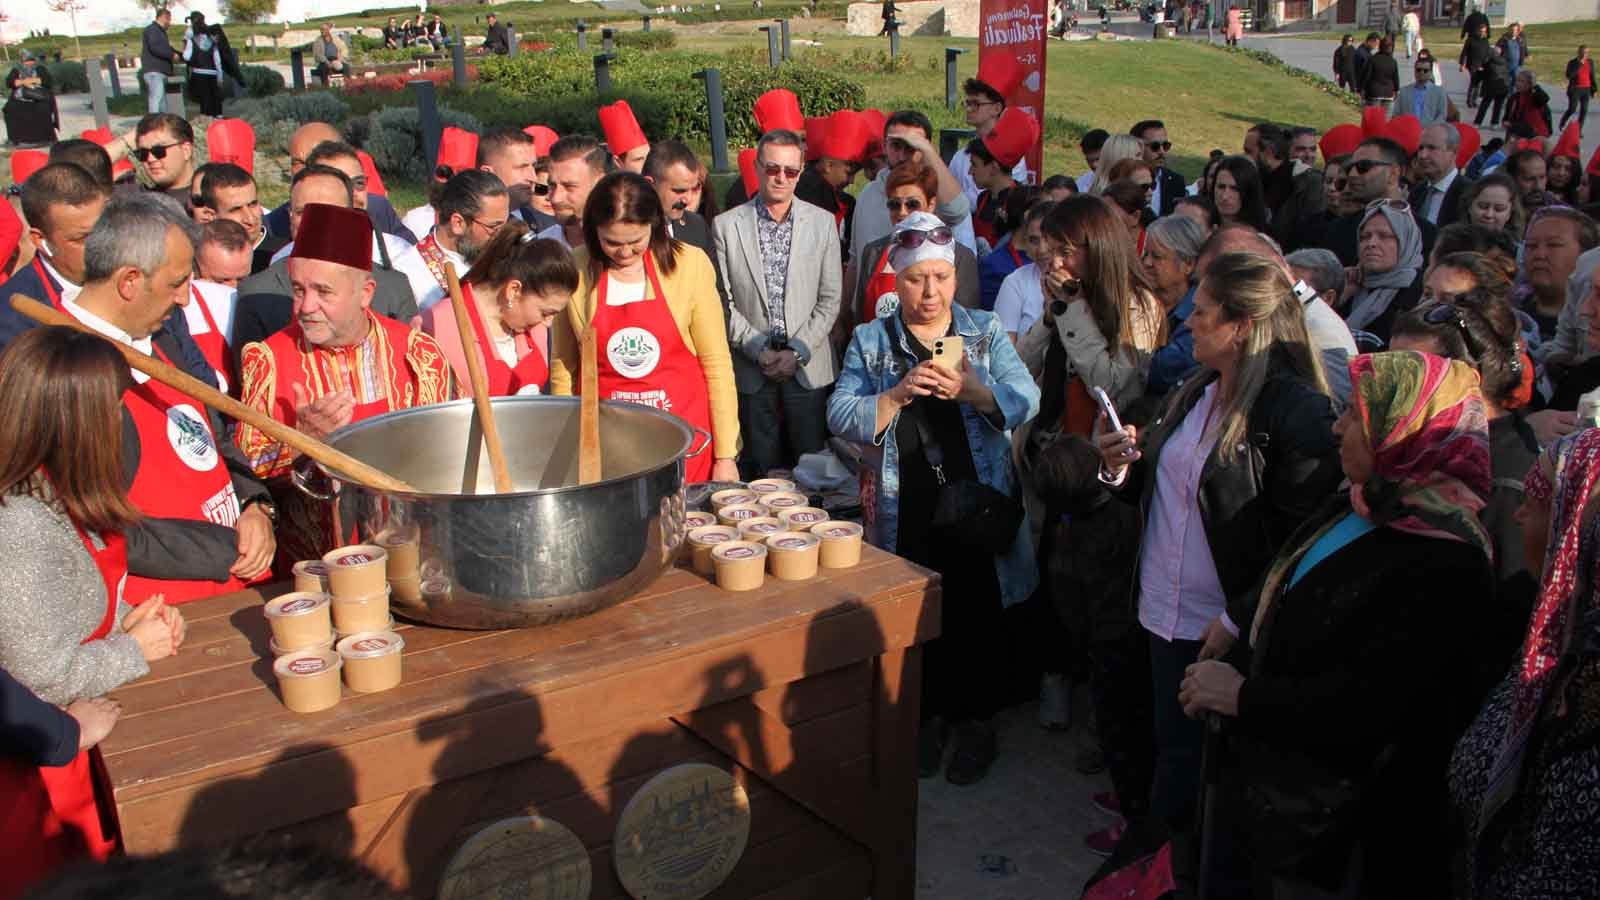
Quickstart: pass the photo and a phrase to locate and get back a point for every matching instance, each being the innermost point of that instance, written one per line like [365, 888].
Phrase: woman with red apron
[638, 282]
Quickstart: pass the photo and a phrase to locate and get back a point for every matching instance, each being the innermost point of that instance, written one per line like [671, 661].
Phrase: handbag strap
[931, 450]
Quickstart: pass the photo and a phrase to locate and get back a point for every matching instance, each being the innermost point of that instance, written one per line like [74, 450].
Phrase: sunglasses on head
[773, 170]
[1396, 205]
[159, 151]
[909, 204]
[1159, 145]
[911, 239]
[1363, 166]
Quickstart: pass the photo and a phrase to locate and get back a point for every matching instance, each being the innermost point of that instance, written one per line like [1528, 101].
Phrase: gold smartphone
[947, 353]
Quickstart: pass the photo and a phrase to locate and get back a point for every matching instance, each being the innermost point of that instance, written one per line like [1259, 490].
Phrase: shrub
[68, 77]
[262, 81]
[276, 117]
[395, 141]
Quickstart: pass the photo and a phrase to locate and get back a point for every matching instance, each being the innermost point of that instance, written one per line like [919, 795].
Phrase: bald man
[304, 140]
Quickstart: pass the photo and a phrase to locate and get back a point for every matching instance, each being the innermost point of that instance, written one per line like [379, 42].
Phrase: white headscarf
[903, 258]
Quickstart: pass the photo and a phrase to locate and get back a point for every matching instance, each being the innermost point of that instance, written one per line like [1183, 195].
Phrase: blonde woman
[1117, 148]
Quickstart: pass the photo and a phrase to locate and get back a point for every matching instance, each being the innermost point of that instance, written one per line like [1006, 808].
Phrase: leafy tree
[248, 11]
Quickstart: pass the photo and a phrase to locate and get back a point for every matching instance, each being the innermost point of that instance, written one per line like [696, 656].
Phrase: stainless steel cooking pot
[551, 550]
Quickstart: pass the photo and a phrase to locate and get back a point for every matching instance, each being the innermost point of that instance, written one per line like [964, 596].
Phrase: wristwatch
[266, 505]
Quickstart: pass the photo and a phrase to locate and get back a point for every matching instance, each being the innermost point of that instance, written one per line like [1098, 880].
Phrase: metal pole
[297, 69]
[428, 120]
[97, 93]
[646, 23]
[583, 35]
[175, 101]
[512, 40]
[458, 59]
[894, 39]
[774, 53]
[111, 72]
[719, 122]
[952, 96]
[608, 40]
[788, 50]
[602, 72]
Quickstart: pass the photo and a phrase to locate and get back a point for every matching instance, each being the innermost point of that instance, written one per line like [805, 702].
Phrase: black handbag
[35, 94]
[967, 510]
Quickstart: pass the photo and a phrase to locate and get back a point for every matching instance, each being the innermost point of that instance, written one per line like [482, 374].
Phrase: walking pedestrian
[155, 61]
[1411, 30]
[1580, 86]
[1475, 53]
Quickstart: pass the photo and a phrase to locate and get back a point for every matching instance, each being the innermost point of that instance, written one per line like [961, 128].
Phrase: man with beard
[337, 362]
[472, 207]
[671, 168]
[577, 163]
[510, 155]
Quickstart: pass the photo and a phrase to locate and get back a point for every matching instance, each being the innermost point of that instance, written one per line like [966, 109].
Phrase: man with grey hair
[208, 526]
[1438, 198]
[1320, 281]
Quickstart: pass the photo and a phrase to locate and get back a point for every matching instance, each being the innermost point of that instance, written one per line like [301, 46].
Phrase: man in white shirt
[60, 205]
[1438, 197]
[1169, 185]
[999, 76]
[577, 163]
[1094, 140]
[908, 137]
[472, 207]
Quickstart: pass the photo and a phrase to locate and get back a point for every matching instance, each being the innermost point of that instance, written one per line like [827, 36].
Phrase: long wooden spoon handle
[589, 462]
[480, 383]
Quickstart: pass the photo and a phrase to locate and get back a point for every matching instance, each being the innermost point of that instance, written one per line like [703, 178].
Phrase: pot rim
[687, 432]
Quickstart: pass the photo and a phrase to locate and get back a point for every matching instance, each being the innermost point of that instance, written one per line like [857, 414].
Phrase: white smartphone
[1107, 407]
[947, 353]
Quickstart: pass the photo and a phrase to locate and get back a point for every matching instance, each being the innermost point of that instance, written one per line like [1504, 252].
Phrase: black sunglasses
[1363, 166]
[909, 204]
[911, 239]
[159, 151]
[1159, 145]
[540, 189]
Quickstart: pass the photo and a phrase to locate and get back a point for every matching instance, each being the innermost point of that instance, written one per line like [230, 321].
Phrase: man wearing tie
[1438, 198]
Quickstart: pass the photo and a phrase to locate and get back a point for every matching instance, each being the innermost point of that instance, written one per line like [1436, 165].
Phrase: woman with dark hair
[1494, 202]
[1130, 200]
[1389, 276]
[1564, 177]
[513, 292]
[1243, 453]
[1366, 639]
[1236, 192]
[65, 632]
[652, 302]
[1199, 210]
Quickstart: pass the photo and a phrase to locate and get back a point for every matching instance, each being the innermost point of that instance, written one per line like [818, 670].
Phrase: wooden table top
[212, 712]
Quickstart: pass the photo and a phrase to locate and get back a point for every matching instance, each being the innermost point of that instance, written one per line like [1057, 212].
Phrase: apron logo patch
[190, 438]
[887, 303]
[633, 352]
[222, 508]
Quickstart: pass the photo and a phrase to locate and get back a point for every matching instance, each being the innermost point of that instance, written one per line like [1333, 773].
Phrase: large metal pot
[551, 550]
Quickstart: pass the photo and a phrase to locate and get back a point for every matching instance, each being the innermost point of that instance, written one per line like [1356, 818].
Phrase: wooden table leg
[897, 707]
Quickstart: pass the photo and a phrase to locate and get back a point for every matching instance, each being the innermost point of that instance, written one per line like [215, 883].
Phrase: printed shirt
[775, 238]
[1179, 589]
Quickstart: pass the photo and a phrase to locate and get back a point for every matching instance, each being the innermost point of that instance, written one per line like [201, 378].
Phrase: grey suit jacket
[1435, 106]
[810, 299]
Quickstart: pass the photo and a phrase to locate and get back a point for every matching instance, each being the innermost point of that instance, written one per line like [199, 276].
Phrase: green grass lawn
[1549, 45]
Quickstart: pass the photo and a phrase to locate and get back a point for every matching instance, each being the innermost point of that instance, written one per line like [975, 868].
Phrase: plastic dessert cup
[311, 575]
[369, 613]
[371, 660]
[757, 529]
[702, 539]
[401, 545]
[735, 513]
[359, 570]
[299, 619]
[695, 518]
[793, 555]
[741, 565]
[841, 544]
[731, 496]
[801, 518]
[772, 485]
[325, 644]
[341, 635]
[309, 680]
[777, 501]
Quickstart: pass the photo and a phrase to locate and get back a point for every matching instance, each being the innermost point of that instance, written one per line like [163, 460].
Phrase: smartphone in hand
[947, 353]
[1107, 407]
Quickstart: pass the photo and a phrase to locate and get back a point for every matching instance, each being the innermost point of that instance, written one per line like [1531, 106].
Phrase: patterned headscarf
[1425, 422]
[1565, 477]
[1377, 291]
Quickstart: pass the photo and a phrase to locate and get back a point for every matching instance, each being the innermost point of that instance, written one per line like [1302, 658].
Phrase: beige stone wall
[957, 18]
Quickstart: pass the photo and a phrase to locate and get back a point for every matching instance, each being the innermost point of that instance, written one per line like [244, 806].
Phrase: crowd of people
[1300, 453]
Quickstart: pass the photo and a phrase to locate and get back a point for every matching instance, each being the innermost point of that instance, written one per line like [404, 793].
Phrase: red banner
[1018, 28]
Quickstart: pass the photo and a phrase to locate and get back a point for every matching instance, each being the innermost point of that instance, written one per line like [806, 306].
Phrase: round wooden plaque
[682, 834]
[523, 858]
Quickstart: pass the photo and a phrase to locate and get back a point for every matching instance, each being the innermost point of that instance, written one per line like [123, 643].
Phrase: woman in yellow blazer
[658, 320]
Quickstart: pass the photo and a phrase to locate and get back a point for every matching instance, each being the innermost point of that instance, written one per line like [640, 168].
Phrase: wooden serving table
[808, 692]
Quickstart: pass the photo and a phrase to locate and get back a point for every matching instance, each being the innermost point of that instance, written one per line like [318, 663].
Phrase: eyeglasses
[540, 188]
[773, 170]
[980, 104]
[490, 227]
[911, 239]
[1363, 166]
[910, 204]
[1424, 70]
[1447, 313]
[1159, 145]
[159, 151]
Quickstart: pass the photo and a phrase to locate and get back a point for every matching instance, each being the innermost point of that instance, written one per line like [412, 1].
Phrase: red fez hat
[621, 128]
[458, 149]
[1013, 136]
[1534, 144]
[1372, 119]
[370, 169]
[816, 130]
[10, 232]
[26, 162]
[876, 121]
[1471, 140]
[232, 141]
[1570, 144]
[778, 108]
[1594, 164]
[1340, 140]
[747, 171]
[104, 137]
[542, 139]
[1406, 131]
[846, 138]
[336, 234]
[1001, 72]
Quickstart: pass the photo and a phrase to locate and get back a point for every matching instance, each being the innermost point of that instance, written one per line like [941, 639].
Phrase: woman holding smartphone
[933, 391]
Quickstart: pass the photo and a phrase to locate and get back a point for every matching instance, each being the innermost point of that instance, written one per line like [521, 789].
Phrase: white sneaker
[1055, 702]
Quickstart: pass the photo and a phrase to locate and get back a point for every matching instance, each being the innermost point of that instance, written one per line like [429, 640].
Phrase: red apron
[879, 284]
[181, 476]
[213, 346]
[504, 380]
[643, 360]
[54, 815]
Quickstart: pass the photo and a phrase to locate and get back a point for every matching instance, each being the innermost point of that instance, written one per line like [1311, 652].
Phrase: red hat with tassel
[104, 137]
[1372, 121]
[876, 121]
[778, 108]
[458, 149]
[1406, 131]
[543, 137]
[1001, 72]
[1471, 140]
[816, 131]
[621, 128]
[846, 138]
[232, 141]
[747, 171]
[26, 162]
[1570, 144]
[1341, 140]
[1013, 136]
[336, 234]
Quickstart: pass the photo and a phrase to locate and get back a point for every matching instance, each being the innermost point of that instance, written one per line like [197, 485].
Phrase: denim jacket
[872, 366]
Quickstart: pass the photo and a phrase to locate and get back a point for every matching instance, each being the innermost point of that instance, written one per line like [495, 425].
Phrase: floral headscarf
[1424, 419]
[1378, 291]
[1565, 477]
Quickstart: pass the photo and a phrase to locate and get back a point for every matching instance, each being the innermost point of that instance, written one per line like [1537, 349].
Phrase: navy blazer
[379, 210]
